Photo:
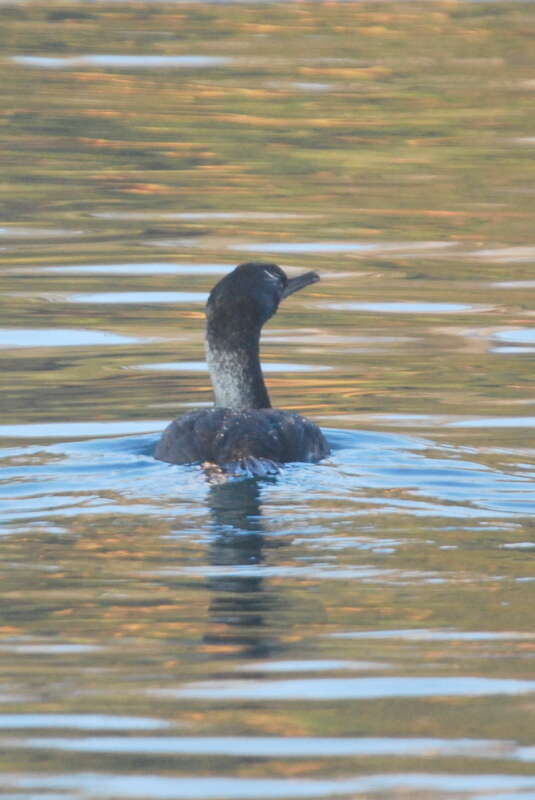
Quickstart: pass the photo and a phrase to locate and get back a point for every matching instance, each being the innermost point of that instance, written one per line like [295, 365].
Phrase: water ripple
[189, 787]
[323, 689]
[364, 469]
[280, 747]
[60, 337]
[122, 61]
[81, 722]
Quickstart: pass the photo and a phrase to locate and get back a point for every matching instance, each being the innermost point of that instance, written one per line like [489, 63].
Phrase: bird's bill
[295, 284]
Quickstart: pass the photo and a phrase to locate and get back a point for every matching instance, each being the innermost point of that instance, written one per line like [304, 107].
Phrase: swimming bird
[242, 433]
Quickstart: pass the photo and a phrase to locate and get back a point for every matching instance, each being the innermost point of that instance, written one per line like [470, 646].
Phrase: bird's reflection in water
[239, 603]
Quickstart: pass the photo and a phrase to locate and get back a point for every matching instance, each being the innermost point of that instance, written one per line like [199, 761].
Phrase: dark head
[237, 308]
[250, 295]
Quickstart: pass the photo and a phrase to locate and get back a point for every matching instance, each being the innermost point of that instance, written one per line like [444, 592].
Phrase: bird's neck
[235, 371]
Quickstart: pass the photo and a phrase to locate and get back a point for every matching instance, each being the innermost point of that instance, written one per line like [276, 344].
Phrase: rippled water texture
[361, 628]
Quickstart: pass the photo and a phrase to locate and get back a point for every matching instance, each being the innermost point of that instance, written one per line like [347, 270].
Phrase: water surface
[360, 628]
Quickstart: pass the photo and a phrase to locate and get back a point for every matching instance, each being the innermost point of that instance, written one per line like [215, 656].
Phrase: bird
[242, 434]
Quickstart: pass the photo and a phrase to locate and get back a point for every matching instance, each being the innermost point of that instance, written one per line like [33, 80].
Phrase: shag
[242, 434]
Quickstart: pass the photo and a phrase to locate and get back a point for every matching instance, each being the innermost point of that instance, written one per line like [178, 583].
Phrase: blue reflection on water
[60, 337]
[97, 476]
[321, 689]
[121, 61]
[202, 366]
[406, 307]
[139, 297]
[188, 787]
[81, 722]
[142, 268]
[320, 248]
[280, 746]
[517, 336]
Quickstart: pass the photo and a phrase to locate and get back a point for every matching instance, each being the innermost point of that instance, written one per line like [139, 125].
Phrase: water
[112, 61]
[201, 366]
[334, 248]
[142, 298]
[151, 268]
[59, 337]
[406, 307]
[361, 628]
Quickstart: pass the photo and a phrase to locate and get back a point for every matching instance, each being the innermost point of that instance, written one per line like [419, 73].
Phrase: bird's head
[248, 296]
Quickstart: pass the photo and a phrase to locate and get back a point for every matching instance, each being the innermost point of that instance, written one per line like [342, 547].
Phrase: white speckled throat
[236, 375]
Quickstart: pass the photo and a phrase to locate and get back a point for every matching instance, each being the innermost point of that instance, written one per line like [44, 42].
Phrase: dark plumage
[242, 433]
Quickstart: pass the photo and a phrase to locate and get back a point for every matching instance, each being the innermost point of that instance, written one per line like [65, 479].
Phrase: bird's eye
[273, 276]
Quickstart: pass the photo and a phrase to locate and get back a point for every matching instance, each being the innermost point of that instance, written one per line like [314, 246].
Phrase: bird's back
[251, 440]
